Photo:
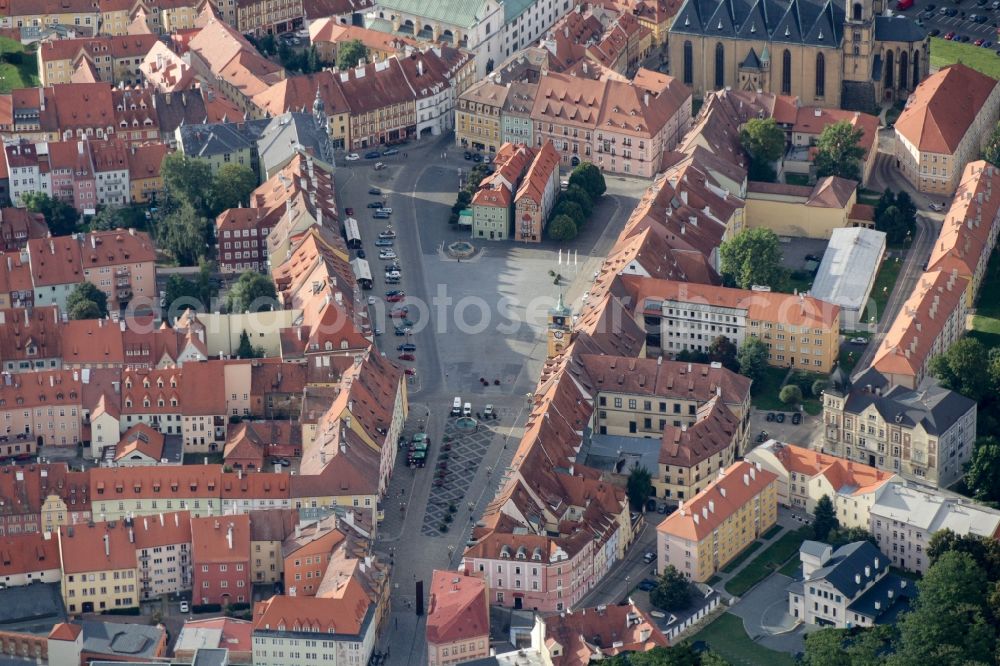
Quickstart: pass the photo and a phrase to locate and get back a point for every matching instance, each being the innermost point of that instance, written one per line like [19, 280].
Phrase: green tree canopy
[572, 210]
[639, 487]
[764, 141]
[562, 228]
[839, 151]
[982, 476]
[693, 356]
[579, 196]
[118, 217]
[724, 351]
[247, 350]
[590, 178]
[947, 624]
[349, 53]
[60, 216]
[186, 234]
[253, 292]
[824, 518]
[752, 358]
[752, 257]
[231, 187]
[672, 591]
[188, 180]
[991, 152]
[86, 302]
[790, 394]
[964, 367]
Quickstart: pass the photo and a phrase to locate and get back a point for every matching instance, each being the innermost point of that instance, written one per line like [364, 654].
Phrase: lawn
[944, 53]
[848, 358]
[764, 392]
[986, 321]
[870, 197]
[893, 113]
[797, 179]
[729, 640]
[776, 555]
[884, 282]
[214, 458]
[739, 559]
[18, 68]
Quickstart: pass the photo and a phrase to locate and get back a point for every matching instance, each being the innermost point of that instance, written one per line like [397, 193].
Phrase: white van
[467, 409]
[456, 407]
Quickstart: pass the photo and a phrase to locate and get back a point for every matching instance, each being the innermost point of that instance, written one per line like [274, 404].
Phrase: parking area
[798, 253]
[808, 432]
[963, 20]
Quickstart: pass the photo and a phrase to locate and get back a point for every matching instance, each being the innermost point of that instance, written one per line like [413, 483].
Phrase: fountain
[466, 423]
[460, 249]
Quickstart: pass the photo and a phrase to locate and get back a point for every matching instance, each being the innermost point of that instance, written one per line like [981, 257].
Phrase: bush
[443, 528]
[206, 608]
[819, 386]
[134, 610]
[790, 395]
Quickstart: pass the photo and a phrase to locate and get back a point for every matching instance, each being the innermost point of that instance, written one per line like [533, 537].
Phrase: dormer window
[31, 350]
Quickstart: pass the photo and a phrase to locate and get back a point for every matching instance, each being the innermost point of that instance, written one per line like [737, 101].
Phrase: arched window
[786, 72]
[916, 68]
[720, 66]
[820, 75]
[904, 70]
[688, 63]
[890, 63]
[856, 11]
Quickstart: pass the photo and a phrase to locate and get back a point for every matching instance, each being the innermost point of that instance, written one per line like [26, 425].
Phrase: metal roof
[849, 264]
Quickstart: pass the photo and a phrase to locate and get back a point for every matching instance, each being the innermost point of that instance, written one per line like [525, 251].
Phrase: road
[884, 175]
[484, 317]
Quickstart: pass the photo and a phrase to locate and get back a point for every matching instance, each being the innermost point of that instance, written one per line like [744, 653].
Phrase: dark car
[467, 155]
[407, 347]
[796, 418]
[779, 417]
[374, 190]
[390, 151]
[770, 416]
[813, 257]
[376, 204]
[401, 331]
[395, 298]
[392, 267]
[373, 155]
[361, 254]
[349, 210]
[964, 39]
[934, 32]
[932, 7]
[762, 437]
[407, 357]
[477, 158]
[647, 585]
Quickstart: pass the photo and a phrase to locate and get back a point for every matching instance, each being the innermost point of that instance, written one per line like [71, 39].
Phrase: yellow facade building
[478, 116]
[800, 210]
[100, 570]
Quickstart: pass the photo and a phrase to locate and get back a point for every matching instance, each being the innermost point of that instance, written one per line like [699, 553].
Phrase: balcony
[123, 293]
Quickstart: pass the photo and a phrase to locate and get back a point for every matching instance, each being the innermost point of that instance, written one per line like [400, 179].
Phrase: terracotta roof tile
[457, 608]
[96, 547]
[211, 541]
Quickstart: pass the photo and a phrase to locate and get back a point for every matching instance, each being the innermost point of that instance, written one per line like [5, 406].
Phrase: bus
[362, 273]
[352, 234]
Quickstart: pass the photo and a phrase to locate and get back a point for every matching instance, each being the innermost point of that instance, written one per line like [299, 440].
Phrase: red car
[979, 42]
[410, 371]
[950, 36]
[396, 298]
[407, 357]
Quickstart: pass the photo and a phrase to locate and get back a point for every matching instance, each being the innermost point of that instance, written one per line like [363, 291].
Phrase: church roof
[751, 61]
[811, 22]
[898, 29]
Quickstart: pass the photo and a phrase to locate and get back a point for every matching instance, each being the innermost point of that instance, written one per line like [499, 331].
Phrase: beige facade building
[163, 551]
[99, 569]
[458, 619]
[478, 113]
[805, 476]
[718, 523]
[944, 126]
[925, 435]
[800, 210]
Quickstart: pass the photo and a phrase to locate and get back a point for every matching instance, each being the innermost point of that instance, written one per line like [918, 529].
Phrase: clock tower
[559, 327]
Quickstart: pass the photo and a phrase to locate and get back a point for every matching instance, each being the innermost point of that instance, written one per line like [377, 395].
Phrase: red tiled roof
[457, 609]
[210, 540]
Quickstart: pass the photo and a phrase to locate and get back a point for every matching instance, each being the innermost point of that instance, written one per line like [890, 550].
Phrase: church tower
[859, 38]
[559, 327]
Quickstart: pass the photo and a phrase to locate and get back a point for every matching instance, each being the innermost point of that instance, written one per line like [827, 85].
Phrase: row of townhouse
[933, 317]
[622, 126]
[396, 99]
[115, 60]
[112, 18]
[601, 35]
[85, 173]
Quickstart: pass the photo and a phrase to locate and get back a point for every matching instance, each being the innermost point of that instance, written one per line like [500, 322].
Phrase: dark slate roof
[936, 409]
[889, 606]
[813, 22]
[111, 638]
[288, 133]
[751, 61]
[31, 609]
[848, 561]
[898, 29]
[219, 138]
[180, 108]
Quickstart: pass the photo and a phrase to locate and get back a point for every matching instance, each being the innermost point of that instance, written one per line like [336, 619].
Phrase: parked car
[796, 418]
[390, 151]
[376, 204]
[361, 254]
[779, 417]
[393, 267]
[380, 215]
[477, 158]
[385, 210]
[770, 416]
[379, 166]
[407, 347]
[398, 314]
[388, 233]
[375, 190]
[401, 331]
[859, 341]
[372, 155]
[386, 254]
[395, 298]
[391, 280]
[934, 32]
[352, 157]
[488, 412]
[647, 585]
[762, 437]
[407, 357]
[185, 607]
[383, 242]
[349, 211]
[467, 155]
[936, 207]
[410, 371]
[649, 557]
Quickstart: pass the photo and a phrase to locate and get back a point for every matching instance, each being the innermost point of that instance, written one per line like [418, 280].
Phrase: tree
[984, 552]
[267, 45]
[247, 350]
[186, 234]
[982, 476]
[824, 519]
[572, 210]
[232, 187]
[991, 152]
[818, 387]
[562, 228]
[86, 302]
[826, 648]
[692, 356]
[187, 180]
[350, 53]
[639, 487]
[590, 178]
[764, 141]
[841, 536]
[253, 292]
[752, 357]
[790, 394]
[60, 216]
[964, 367]
[672, 591]
[184, 293]
[892, 222]
[312, 60]
[723, 350]
[838, 151]
[579, 196]
[947, 624]
[117, 217]
[752, 257]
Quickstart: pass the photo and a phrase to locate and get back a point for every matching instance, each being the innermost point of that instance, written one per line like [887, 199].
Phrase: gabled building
[31, 557]
[536, 195]
[114, 59]
[458, 619]
[100, 570]
[163, 550]
[220, 558]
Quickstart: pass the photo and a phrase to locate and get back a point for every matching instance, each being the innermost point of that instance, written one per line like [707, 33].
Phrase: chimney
[645, 99]
[107, 546]
[420, 67]
[131, 535]
[229, 536]
[161, 520]
[868, 572]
